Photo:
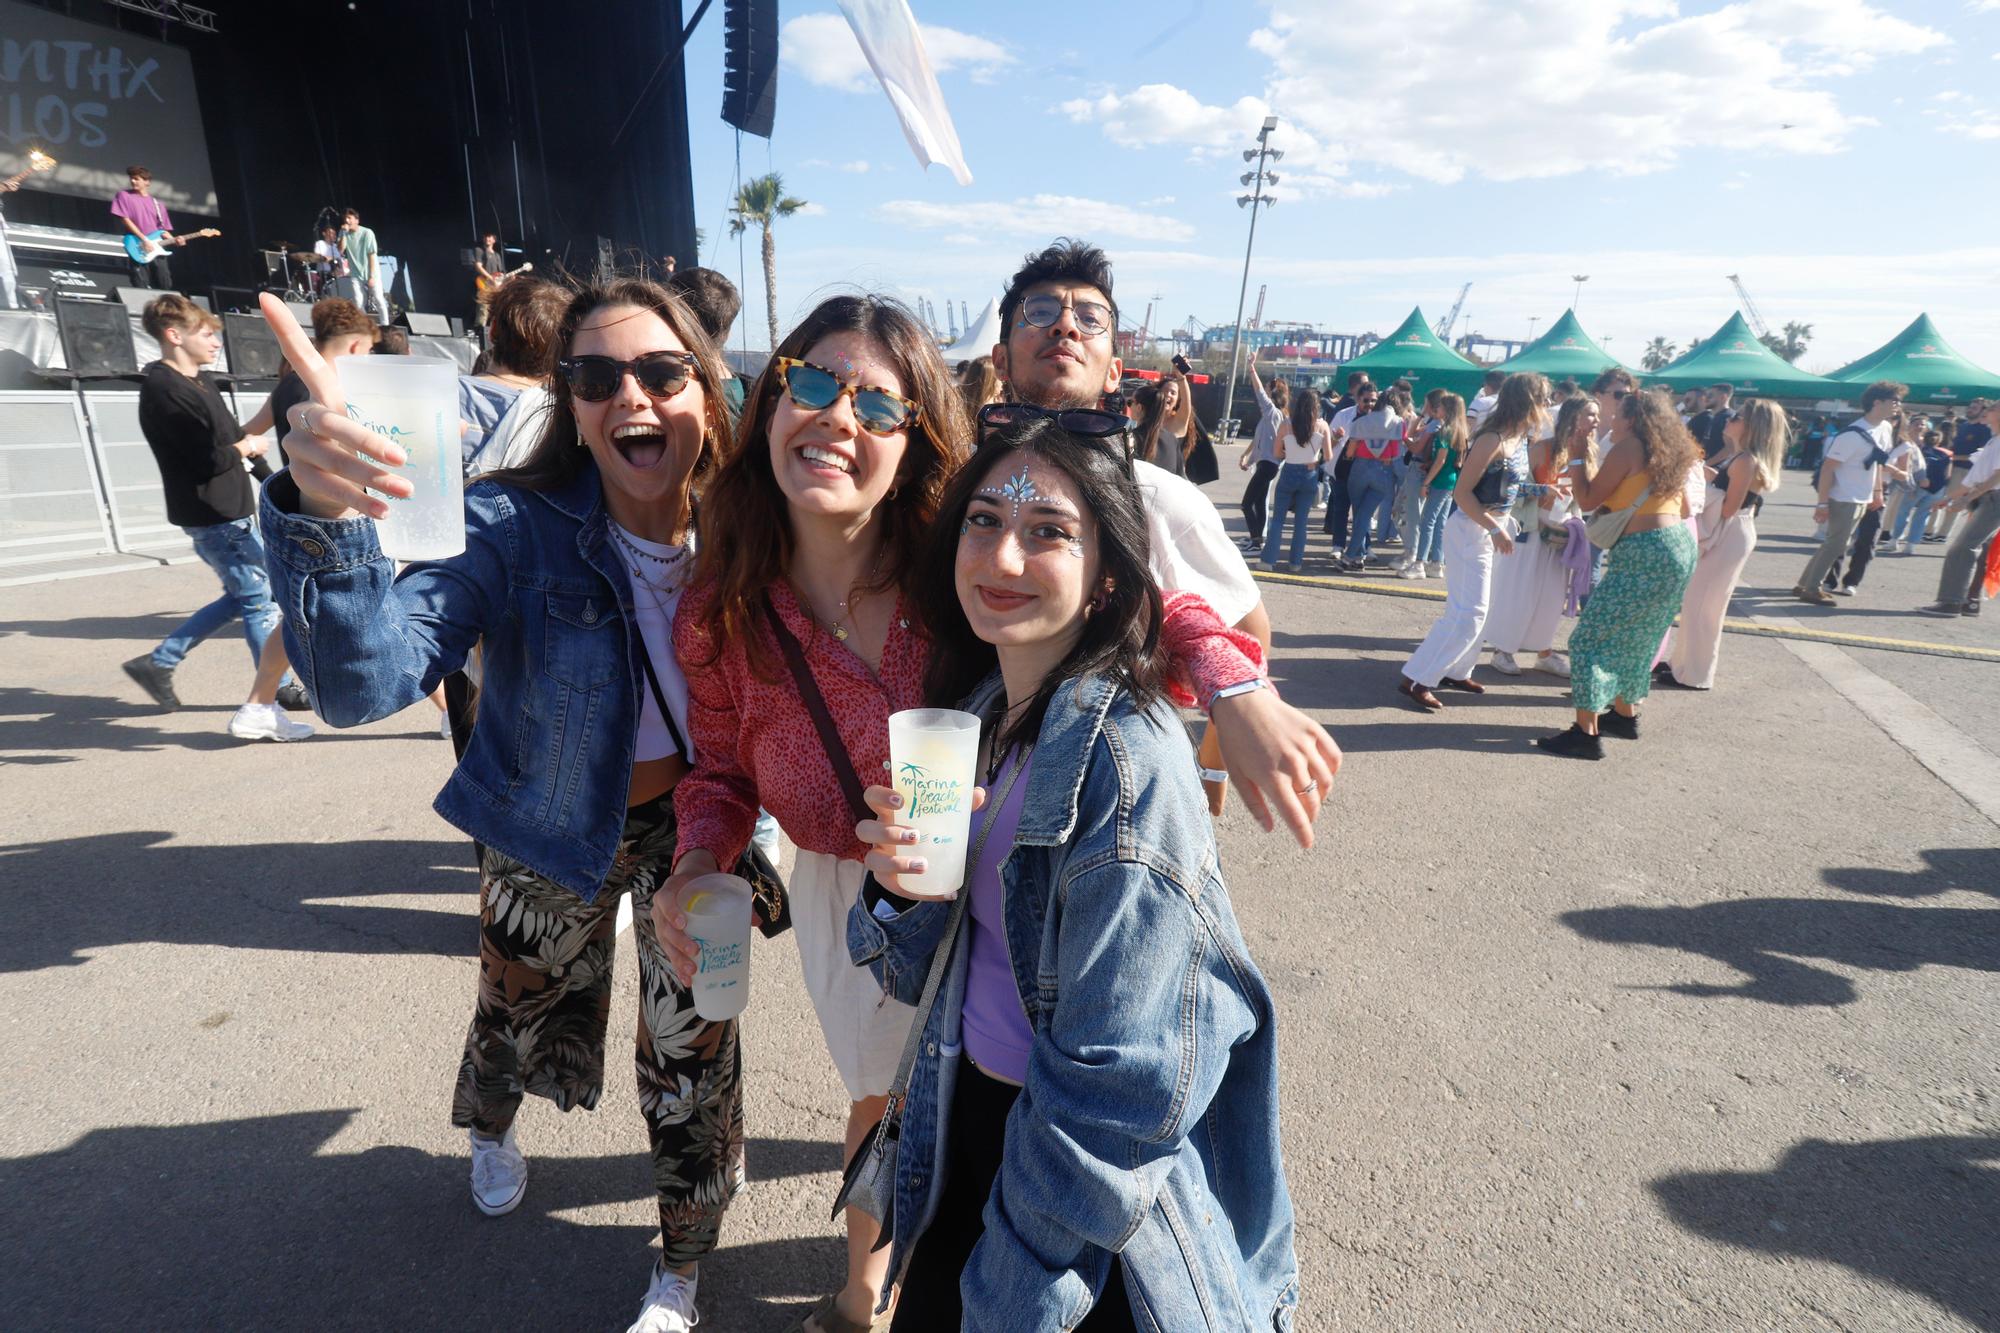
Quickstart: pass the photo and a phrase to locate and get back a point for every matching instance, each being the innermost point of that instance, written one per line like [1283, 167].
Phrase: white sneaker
[266, 722]
[499, 1173]
[1413, 570]
[669, 1305]
[1434, 568]
[1555, 664]
[1505, 664]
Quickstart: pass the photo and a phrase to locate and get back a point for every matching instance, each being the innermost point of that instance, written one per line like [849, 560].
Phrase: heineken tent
[1414, 353]
[1921, 358]
[1734, 356]
[1564, 351]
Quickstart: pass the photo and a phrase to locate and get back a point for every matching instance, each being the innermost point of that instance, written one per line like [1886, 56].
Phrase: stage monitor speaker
[302, 311]
[253, 348]
[426, 325]
[750, 65]
[235, 298]
[457, 327]
[136, 299]
[96, 337]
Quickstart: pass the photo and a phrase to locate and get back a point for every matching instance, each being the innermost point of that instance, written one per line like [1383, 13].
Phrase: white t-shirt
[1909, 456]
[1191, 549]
[1342, 423]
[1854, 475]
[655, 613]
[332, 260]
[1304, 455]
[1480, 408]
[1984, 464]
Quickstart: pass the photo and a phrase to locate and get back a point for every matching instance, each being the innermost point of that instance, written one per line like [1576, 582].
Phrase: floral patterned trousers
[538, 1027]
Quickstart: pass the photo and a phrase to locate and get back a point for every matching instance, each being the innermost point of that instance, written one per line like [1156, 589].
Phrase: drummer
[330, 265]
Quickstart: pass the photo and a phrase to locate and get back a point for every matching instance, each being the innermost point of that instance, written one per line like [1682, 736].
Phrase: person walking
[1302, 445]
[1495, 470]
[1973, 493]
[1261, 458]
[1448, 444]
[1611, 650]
[1100, 1057]
[1849, 485]
[1755, 441]
[1374, 441]
[1933, 476]
[1411, 480]
[1531, 583]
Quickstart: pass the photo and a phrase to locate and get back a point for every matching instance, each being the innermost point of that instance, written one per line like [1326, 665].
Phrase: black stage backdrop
[437, 120]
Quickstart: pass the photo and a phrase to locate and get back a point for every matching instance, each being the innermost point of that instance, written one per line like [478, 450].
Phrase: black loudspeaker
[235, 298]
[426, 326]
[750, 65]
[96, 337]
[253, 348]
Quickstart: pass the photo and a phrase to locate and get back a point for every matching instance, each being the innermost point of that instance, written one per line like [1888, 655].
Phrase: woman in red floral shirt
[815, 521]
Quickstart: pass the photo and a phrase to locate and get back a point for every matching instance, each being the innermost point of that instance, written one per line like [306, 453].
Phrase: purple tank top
[995, 1027]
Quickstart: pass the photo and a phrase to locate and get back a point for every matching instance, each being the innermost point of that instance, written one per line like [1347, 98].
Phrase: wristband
[1241, 687]
[1213, 774]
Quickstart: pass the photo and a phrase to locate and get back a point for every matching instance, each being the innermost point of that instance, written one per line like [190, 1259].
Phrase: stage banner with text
[99, 100]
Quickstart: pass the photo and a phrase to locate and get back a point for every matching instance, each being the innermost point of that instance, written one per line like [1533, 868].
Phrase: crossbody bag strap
[829, 735]
[941, 960]
[660, 699]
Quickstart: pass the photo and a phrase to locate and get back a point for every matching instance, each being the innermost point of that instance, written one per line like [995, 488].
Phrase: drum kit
[306, 276]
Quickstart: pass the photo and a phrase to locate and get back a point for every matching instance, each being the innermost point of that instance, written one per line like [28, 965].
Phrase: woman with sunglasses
[846, 444]
[573, 564]
[1091, 1126]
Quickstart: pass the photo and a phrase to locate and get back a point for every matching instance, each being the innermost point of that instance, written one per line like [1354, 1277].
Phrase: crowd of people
[1017, 538]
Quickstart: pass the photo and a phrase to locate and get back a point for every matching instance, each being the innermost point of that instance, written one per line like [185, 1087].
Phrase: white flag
[887, 32]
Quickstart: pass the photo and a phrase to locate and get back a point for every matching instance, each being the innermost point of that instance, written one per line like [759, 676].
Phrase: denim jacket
[1147, 1129]
[545, 777]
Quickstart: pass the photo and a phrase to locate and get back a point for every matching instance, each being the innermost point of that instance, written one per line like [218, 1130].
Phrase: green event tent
[1921, 358]
[1564, 351]
[1734, 356]
[1414, 353]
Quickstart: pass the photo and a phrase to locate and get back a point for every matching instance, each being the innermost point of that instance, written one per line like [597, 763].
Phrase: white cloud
[1528, 89]
[1978, 123]
[821, 49]
[811, 210]
[1041, 215]
[858, 167]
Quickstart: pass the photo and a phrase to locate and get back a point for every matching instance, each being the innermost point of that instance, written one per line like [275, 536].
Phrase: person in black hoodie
[201, 451]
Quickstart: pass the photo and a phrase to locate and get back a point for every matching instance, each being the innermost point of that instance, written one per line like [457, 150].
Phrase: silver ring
[1310, 786]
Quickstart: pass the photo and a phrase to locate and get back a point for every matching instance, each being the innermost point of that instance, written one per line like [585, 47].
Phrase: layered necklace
[837, 625]
[658, 574]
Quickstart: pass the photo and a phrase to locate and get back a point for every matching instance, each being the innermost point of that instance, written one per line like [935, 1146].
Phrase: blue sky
[1842, 157]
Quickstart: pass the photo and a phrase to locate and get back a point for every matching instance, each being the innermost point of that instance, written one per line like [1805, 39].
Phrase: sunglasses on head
[596, 378]
[815, 388]
[1092, 317]
[1088, 423]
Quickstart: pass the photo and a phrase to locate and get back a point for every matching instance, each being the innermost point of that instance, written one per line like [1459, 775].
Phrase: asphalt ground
[1699, 1037]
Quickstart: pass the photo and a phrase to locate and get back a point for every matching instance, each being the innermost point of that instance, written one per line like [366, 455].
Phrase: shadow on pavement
[148, 627]
[1765, 939]
[255, 1224]
[1973, 869]
[1921, 1214]
[64, 723]
[72, 895]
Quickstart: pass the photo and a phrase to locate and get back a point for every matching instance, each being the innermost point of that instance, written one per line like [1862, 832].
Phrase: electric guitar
[494, 284]
[37, 161]
[146, 251]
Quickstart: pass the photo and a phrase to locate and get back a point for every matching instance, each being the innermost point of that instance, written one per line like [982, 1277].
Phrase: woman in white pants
[1726, 532]
[1531, 586]
[1496, 469]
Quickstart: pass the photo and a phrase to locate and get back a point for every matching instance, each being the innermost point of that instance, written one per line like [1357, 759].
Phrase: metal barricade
[131, 479]
[52, 504]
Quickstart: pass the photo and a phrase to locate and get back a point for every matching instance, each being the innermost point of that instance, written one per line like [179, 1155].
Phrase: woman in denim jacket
[1101, 1018]
[572, 565]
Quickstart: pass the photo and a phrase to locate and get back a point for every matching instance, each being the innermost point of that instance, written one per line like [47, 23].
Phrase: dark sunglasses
[815, 388]
[1088, 423]
[1091, 317]
[596, 378]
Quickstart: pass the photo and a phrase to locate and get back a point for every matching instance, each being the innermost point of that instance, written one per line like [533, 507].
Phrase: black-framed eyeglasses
[1092, 317]
[815, 388]
[1090, 423]
[596, 378]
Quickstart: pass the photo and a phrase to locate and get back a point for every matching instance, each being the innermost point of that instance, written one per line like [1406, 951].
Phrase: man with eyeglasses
[1057, 353]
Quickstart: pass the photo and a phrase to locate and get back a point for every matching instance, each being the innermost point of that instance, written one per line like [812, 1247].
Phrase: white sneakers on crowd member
[669, 1305]
[266, 722]
[1555, 664]
[499, 1173]
[1434, 568]
[1505, 664]
[1413, 570]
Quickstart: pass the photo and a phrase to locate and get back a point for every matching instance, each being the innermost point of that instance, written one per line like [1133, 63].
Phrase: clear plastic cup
[717, 908]
[413, 400]
[933, 762]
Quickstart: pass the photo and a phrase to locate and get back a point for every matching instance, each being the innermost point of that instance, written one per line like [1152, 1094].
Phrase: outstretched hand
[1281, 761]
[335, 461]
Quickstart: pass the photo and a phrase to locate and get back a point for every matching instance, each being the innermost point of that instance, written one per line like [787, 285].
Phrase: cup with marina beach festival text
[933, 763]
[413, 402]
[717, 908]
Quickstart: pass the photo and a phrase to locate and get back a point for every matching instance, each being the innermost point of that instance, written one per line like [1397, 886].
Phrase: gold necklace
[838, 626]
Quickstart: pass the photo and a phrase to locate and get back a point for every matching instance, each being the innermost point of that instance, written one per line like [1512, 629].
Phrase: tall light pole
[1579, 279]
[1257, 178]
[1532, 321]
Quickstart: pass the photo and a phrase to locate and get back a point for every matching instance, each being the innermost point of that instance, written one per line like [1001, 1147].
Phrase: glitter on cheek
[1075, 547]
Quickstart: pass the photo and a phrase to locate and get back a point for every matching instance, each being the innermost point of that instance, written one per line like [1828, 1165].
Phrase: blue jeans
[1293, 494]
[1430, 528]
[237, 557]
[1916, 512]
[1372, 484]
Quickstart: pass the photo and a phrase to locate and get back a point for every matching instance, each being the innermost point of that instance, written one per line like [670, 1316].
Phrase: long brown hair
[1523, 400]
[1665, 443]
[559, 457]
[1567, 418]
[1452, 426]
[1156, 417]
[746, 526]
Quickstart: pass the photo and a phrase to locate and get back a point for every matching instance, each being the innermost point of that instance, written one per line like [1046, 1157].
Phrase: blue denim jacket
[1148, 1126]
[546, 775]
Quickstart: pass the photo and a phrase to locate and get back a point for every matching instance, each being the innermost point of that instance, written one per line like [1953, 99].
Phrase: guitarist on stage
[143, 215]
[10, 296]
[489, 262]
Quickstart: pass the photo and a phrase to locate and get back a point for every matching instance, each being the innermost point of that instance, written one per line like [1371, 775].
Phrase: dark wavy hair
[1067, 260]
[1121, 636]
[559, 457]
[1664, 442]
[1305, 416]
[746, 528]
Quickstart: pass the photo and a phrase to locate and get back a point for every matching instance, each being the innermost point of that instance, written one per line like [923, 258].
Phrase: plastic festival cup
[933, 761]
[717, 908]
[414, 402]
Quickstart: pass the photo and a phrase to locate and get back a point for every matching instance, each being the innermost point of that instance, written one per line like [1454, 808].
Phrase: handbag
[869, 1181]
[1201, 467]
[1606, 526]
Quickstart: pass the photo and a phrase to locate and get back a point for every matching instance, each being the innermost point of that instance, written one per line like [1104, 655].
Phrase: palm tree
[1659, 352]
[760, 203]
[1796, 338]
